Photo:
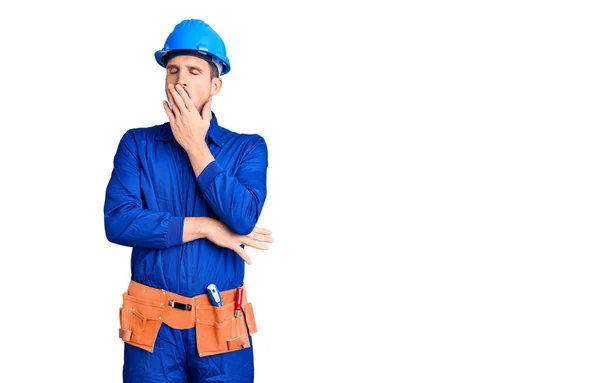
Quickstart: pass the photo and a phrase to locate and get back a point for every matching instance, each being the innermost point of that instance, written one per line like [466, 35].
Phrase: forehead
[185, 60]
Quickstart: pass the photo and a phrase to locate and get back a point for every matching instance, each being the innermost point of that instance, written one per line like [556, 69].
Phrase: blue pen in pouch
[214, 295]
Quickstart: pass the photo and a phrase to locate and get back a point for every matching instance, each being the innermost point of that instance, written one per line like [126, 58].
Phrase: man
[186, 196]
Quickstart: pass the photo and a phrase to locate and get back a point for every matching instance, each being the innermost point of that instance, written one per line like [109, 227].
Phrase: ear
[215, 86]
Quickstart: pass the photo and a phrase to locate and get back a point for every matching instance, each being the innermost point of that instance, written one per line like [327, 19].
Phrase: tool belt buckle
[180, 306]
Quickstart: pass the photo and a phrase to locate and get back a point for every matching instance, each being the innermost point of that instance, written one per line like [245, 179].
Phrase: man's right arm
[126, 222]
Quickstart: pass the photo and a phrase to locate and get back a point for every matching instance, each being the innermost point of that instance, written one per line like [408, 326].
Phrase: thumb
[242, 253]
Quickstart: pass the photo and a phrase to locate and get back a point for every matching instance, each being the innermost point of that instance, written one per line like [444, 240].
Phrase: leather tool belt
[218, 331]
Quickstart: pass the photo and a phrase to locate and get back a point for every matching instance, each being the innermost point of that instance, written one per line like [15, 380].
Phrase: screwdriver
[238, 301]
[214, 295]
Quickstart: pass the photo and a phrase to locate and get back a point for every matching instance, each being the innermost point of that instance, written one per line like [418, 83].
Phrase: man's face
[193, 74]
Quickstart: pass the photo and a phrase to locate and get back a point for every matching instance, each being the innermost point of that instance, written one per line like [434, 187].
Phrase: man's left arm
[237, 199]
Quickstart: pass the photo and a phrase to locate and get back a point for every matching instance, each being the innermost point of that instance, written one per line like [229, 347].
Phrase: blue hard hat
[195, 35]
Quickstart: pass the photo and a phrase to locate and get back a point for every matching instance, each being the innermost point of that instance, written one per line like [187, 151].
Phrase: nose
[181, 79]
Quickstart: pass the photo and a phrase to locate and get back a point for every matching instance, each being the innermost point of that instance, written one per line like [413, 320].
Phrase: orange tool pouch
[146, 308]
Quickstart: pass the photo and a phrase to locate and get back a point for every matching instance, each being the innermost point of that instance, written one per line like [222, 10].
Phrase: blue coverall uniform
[151, 190]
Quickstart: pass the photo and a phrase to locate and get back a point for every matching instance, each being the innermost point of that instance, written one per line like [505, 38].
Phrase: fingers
[261, 234]
[260, 237]
[168, 111]
[172, 104]
[261, 230]
[185, 97]
[257, 244]
[177, 100]
[242, 253]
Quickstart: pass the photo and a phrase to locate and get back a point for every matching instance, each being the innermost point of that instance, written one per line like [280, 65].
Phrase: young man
[186, 196]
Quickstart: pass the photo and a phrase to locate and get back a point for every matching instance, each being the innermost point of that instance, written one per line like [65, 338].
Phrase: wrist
[200, 156]
[197, 227]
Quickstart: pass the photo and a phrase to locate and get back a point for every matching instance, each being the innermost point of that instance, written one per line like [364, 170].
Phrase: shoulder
[241, 139]
[138, 135]
[246, 146]
[145, 132]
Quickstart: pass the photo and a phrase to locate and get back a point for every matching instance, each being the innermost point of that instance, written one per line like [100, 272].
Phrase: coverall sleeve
[238, 198]
[126, 222]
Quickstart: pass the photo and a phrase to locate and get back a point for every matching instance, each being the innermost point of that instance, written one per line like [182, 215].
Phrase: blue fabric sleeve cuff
[208, 174]
[175, 231]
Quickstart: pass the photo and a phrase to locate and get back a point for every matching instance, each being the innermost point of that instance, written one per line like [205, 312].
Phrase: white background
[432, 185]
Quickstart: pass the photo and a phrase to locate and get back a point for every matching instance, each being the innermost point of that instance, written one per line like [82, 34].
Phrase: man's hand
[221, 235]
[188, 125]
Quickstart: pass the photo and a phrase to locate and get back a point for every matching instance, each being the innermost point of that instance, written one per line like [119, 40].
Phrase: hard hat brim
[160, 57]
